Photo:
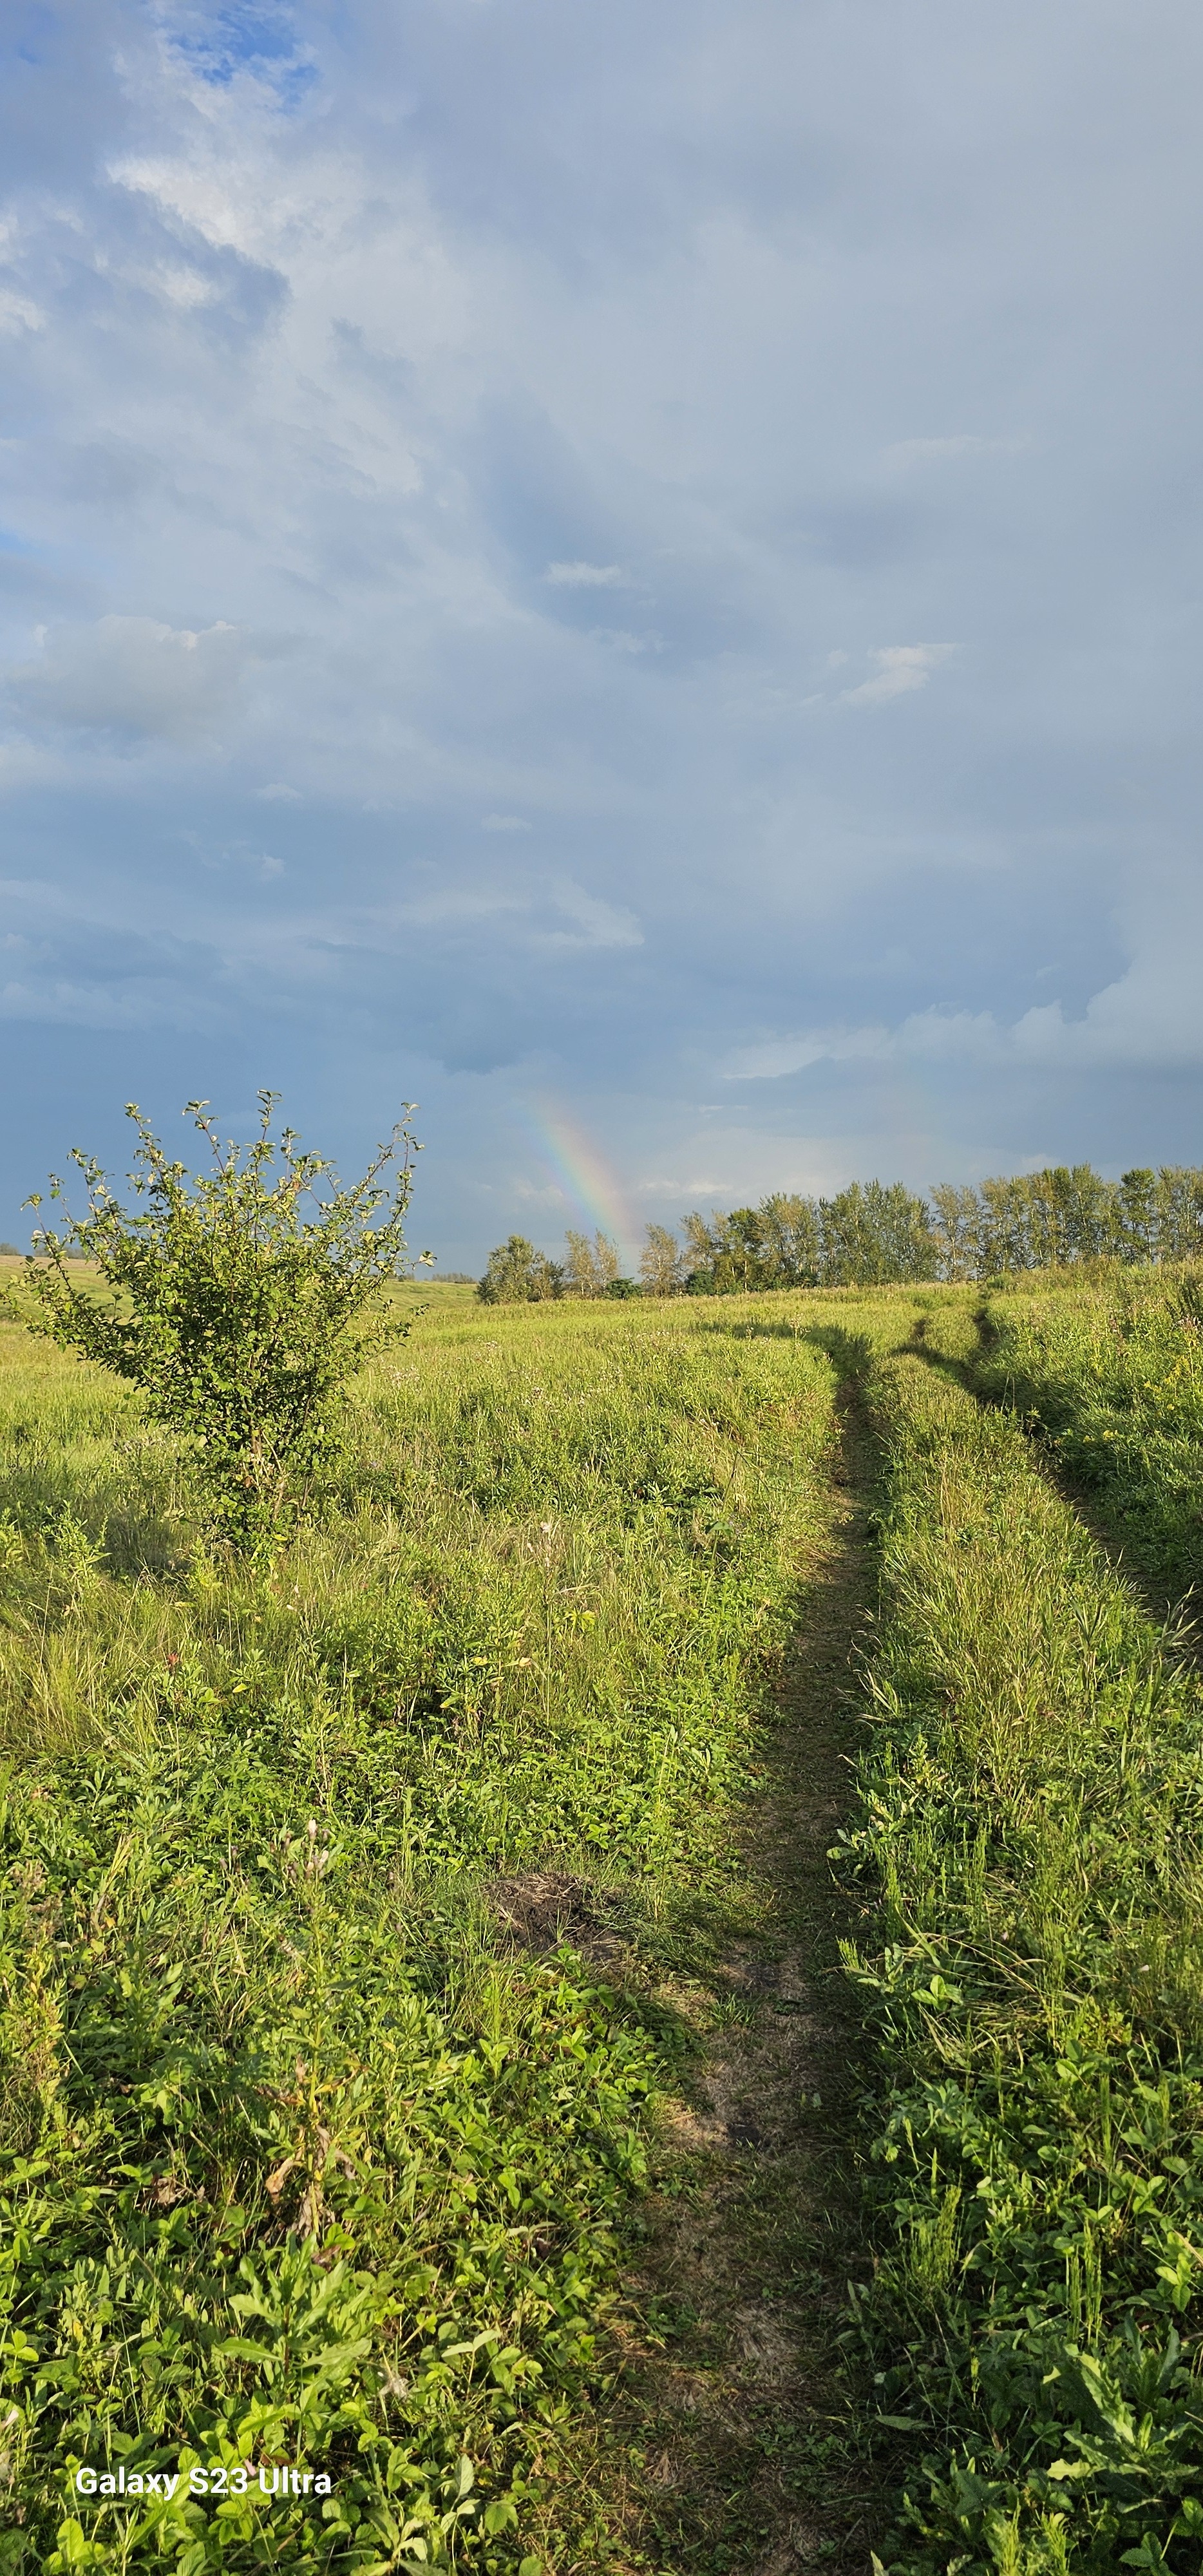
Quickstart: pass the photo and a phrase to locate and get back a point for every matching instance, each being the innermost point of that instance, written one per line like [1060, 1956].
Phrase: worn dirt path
[745, 2459]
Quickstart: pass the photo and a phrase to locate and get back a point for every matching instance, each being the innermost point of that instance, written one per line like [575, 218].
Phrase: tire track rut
[748, 2458]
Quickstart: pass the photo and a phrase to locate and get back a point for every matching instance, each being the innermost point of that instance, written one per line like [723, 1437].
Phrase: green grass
[305, 2158]
[319, 2143]
[1033, 1966]
[1115, 1375]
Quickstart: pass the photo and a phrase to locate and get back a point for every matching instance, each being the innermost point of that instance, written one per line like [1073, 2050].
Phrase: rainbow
[580, 1172]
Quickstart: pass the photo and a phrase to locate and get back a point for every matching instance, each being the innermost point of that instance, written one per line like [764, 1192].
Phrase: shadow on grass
[1115, 1515]
[40, 1495]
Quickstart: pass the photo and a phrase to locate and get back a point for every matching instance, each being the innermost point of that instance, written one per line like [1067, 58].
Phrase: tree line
[877, 1231]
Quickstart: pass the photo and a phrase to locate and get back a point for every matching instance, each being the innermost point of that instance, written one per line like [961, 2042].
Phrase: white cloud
[133, 676]
[18, 313]
[540, 909]
[504, 823]
[939, 451]
[900, 668]
[278, 794]
[584, 576]
[205, 198]
[598, 924]
[453, 905]
[776, 1057]
[1147, 1020]
[624, 641]
[178, 284]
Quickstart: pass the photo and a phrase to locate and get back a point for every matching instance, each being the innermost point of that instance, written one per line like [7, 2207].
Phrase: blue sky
[631, 575]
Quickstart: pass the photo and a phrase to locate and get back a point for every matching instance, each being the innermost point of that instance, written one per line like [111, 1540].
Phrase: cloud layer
[680, 530]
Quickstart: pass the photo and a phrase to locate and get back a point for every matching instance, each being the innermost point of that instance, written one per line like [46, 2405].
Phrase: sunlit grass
[309, 2151]
[1033, 1820]
[279, 2084]
[1116, 1376]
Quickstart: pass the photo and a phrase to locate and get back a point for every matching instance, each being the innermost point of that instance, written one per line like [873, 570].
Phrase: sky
[627, 574]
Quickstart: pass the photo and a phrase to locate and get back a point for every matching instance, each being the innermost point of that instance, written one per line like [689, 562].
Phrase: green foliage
[591, 1267]
[518, 1275]
[239, 1316]
[1038, 1220]
[305, 2155]
[865, 1235]
[1031, 1832]
[661, 1269]
[873, 1233]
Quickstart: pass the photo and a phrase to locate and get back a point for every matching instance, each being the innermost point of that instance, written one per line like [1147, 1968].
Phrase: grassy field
[367, 1935]
[319, 2142]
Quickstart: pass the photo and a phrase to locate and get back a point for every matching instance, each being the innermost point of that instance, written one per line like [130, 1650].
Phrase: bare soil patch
[546, 1906]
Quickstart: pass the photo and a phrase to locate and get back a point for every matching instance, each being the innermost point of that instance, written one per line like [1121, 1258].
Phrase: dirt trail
[747, 2458]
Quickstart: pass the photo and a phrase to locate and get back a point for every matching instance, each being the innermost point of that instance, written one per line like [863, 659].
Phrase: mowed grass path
[318, 2148]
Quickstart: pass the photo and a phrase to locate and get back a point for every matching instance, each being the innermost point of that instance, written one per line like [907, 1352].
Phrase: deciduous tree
[517, 1274]
[660, 1264]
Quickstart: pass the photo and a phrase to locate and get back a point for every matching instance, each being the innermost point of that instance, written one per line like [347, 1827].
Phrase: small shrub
[238, 1316]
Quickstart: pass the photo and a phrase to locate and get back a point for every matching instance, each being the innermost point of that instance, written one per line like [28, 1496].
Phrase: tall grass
[1116, 1377]
[306, 2155]
[326, 2092]
[1030, 1847]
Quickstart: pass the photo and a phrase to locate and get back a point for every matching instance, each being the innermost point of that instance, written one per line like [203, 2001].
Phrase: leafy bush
[238, 1317]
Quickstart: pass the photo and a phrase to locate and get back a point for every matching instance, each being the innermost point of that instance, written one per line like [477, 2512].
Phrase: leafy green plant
[244, 1300]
